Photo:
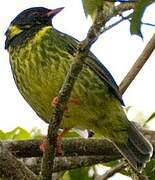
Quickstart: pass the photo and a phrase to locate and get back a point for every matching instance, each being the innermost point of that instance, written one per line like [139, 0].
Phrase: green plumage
[39, 70]
[40, 57]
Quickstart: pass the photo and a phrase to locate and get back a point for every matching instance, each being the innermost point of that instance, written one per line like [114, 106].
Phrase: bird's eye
[27, 26]
[35, 13]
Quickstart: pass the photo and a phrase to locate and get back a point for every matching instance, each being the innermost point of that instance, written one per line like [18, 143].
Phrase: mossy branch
[12, 167]
[71, 147]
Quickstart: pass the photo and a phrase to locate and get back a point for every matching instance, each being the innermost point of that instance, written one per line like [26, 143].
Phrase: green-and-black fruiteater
[40, 57]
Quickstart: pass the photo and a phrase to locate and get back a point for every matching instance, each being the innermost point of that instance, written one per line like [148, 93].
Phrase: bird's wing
[94, 64]
[104, 74]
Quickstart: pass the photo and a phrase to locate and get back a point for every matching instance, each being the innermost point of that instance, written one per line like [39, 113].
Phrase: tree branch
[72, 147]
[78, 152]
[12, 167]
[63, 163]
[144, 56]
[119, 9]
[116, 23]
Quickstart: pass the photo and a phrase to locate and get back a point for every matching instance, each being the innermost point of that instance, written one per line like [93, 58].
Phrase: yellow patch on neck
[41, 33]
[14, 30]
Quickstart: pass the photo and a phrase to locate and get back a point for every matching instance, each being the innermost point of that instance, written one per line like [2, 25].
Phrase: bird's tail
[137, 149]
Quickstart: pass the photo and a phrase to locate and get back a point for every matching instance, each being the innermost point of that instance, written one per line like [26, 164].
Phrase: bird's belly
[39, 85]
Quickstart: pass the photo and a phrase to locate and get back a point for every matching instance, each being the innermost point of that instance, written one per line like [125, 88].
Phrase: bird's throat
[40, 34]
[16, 36]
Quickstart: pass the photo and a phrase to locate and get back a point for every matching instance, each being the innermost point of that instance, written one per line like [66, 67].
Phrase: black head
[28, 22]
[35, 16]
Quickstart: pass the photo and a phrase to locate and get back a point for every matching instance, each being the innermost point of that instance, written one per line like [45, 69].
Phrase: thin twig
[115, 23]
[119, 9]
[112, 171]
[144, 56]
[148, 24]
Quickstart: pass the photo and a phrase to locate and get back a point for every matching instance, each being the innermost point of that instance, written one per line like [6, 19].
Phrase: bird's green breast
[38, 72]
[39, 67]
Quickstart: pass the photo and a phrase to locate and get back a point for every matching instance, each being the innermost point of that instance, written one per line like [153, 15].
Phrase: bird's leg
[74, 101]
[42, 145]
[60, 137]
[55, 102]
[59, 148]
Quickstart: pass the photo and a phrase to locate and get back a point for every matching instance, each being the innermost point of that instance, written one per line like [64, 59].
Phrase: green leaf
[18, 133]
[2, 135]
[71, 134]
[81, 173]
[135, 27]
[111, 163]
[90, 6]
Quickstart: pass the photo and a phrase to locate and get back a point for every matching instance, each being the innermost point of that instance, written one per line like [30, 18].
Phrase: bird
[40, 57]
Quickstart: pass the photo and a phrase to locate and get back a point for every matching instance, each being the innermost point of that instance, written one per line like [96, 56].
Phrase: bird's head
[35, 16]
[32, 17]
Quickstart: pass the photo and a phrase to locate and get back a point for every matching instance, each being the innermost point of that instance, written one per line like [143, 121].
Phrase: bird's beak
[53, 12]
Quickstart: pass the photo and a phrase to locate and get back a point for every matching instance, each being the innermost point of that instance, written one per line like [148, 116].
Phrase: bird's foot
[55, 101]
[74, 101]
[42, 145]
[59, 148]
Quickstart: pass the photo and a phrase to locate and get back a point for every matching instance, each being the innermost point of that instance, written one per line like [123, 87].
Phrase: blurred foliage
[77, 174]
[150, 170]
[90, 7]
[20, 133]
[72, 134]
[16, 134]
